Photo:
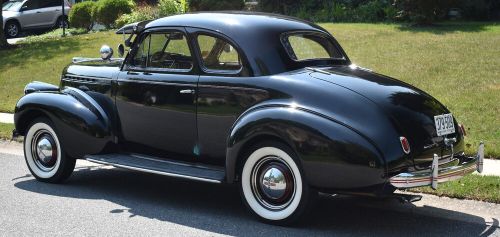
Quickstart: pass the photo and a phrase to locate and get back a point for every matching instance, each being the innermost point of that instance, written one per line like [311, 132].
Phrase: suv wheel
[273, 184]
[61, 22]
[45, 157]
[12, 29]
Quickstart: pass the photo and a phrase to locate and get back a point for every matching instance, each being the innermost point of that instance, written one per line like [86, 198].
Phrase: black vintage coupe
[268, 102]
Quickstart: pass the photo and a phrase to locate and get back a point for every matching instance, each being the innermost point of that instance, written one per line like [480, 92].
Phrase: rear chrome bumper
[437, 175]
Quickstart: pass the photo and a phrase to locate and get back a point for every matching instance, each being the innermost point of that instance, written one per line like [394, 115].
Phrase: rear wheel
[61, 22]
[44, 154]
[272, 184]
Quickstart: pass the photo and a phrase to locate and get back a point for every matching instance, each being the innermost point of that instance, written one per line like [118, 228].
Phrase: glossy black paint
[344, 122]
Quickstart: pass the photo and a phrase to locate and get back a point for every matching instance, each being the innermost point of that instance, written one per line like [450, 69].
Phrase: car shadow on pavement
[219, 209]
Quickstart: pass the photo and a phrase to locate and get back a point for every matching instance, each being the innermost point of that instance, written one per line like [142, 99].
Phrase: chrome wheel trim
[37, 169]
[44, 150]
[252, 200]
[273, 183]
[12, 30]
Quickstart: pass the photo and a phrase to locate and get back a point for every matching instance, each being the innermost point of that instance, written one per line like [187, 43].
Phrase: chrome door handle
[188, 91]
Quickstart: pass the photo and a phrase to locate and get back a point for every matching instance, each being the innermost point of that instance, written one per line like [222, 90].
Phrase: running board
[160, 166]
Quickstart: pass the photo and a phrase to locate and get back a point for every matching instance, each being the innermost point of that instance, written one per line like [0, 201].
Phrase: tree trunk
[3, 40]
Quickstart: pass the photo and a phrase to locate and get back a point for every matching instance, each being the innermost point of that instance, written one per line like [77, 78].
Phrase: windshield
[11, 5]
[310, 46]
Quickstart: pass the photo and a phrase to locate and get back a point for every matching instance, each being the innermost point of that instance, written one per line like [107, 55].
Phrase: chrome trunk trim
[438, 174]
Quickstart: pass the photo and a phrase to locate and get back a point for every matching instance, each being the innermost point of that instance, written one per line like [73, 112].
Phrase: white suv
[21, 15]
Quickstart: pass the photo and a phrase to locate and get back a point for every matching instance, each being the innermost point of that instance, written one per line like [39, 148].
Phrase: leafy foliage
[216, 5]
[423, 11]
[141, 13]
[82, 15]
[108, 11]
[170, 7]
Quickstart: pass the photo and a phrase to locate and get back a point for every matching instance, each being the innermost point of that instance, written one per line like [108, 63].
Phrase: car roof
[258, 35]
[235, 21]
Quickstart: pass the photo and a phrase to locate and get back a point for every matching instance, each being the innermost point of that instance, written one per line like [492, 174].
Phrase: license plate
[444, 124]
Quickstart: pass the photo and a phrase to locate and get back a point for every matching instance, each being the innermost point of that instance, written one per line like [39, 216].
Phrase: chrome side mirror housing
[121, 50]
[106, 52]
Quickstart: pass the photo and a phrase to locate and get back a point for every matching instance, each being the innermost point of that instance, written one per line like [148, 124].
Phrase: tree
[3, 40]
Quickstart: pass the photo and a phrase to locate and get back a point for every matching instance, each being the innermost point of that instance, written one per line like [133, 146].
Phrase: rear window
[310, 46]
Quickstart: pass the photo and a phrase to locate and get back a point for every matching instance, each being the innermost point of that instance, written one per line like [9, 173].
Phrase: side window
[218, 54]
[51, 3]
[141, 56]
[163, 51]
[31, 5]
[169, 51]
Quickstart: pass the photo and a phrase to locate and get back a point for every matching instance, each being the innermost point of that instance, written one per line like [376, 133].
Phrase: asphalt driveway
[100, 200]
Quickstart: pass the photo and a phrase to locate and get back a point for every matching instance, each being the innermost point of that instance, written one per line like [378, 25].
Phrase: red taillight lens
[405, 145]
[462, 129]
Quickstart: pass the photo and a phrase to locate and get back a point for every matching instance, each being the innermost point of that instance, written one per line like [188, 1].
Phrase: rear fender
[331, 154]
[80, 121]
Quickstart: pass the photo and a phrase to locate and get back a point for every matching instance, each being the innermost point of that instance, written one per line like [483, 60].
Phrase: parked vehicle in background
[20, 15]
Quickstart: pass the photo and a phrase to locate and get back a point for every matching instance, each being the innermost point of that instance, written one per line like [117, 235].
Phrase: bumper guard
[438, 175]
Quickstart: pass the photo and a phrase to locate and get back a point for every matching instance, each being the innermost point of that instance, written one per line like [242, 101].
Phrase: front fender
[332, 155]
[81, 123]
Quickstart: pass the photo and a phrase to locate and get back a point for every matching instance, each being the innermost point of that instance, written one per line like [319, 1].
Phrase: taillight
[462, 129]
[405, 145]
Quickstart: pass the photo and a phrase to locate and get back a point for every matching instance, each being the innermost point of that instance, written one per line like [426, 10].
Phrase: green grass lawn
[476, 187]
[44, 61]
[459, 64]
[6, 130]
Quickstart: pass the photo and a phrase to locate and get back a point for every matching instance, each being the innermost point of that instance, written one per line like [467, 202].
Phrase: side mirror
[23, 8]
[106, 52]
[121, 50]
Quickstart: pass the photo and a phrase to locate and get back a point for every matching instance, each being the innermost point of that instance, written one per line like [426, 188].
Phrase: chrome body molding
[439, 174]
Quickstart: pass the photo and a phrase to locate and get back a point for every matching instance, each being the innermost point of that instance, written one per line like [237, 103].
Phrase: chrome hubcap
[44, 150]
[273, 183]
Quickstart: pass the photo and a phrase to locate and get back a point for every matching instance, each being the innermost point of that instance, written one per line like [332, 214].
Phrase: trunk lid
[410, 108]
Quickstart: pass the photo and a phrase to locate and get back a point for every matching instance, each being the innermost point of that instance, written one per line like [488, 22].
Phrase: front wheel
[273, 186]
[12, 29]
[44, 154]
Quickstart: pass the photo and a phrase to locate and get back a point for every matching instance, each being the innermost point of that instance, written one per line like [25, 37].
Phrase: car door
[225, 90]
[155, 96]
[30, 14]
[49, 11]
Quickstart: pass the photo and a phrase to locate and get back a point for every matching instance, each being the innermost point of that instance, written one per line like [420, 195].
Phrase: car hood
[94, 67]
[8, 14]
[411, 110]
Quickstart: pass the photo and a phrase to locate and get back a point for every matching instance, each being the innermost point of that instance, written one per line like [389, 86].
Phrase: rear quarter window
[310, 46]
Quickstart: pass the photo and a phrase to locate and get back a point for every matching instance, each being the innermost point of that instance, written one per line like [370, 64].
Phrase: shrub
[216, 5]
[82, 15]
[423, 12]
[371, 11]
[141, 13]
[108, 11]
[170, 7]
[480, 9]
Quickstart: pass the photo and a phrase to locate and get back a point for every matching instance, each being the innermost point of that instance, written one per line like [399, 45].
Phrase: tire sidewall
[300, 199]
[57, 172]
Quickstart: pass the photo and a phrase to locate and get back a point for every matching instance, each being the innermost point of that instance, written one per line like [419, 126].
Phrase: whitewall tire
[44, 153]
[272, 184]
